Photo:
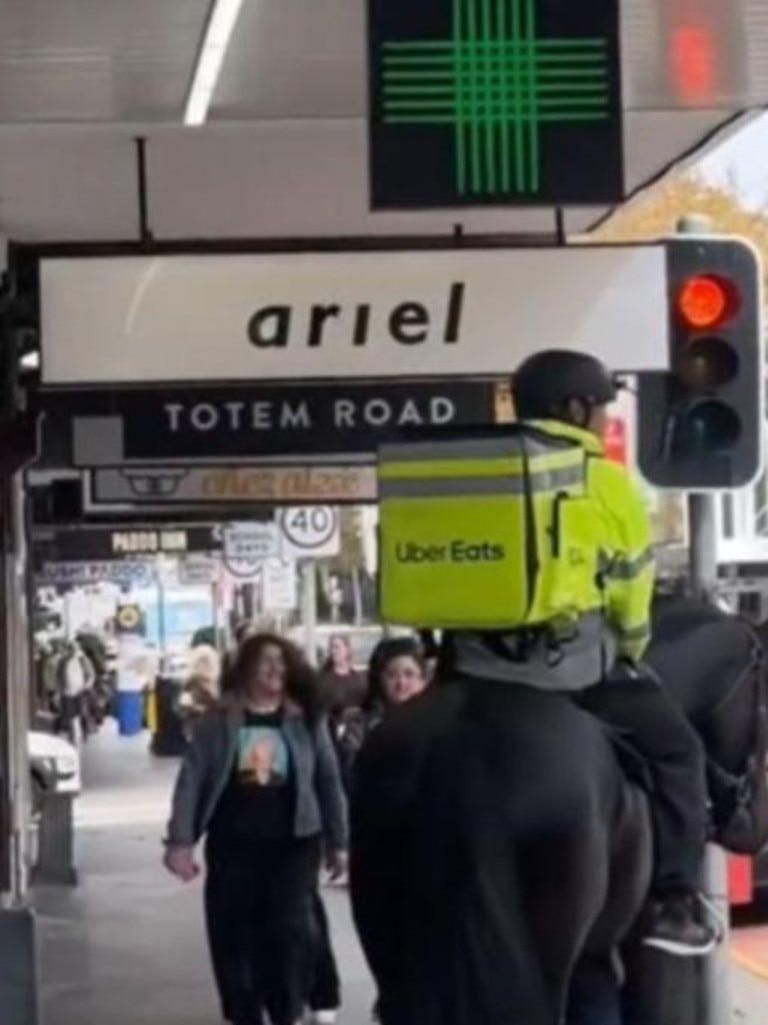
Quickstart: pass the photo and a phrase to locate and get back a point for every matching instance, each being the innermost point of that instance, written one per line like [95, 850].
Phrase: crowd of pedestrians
[264, 787]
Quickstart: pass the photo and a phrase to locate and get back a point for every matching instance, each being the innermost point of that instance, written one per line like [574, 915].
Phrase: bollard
[55, 864]
[168, 740]
[19, 984]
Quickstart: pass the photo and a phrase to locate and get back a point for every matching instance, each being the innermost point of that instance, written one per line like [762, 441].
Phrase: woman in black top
[343, 691]
[261, 780]
[398, 671]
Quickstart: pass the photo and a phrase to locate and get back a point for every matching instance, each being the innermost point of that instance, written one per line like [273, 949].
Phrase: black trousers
[325, 991]
[261, 927]
[634, 703]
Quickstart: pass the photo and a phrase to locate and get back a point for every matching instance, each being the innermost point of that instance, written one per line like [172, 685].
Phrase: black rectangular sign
[102, 544]
[494, 102]
[294, 420]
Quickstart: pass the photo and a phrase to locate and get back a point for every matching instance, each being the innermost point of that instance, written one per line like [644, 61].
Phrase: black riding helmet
[543, 384]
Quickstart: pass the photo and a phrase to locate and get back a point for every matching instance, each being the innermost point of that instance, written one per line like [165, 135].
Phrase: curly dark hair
[301, 681]
[384, 652]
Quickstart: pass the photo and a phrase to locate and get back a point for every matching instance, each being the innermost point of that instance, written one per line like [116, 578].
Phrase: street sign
[198, 570]
[246, 545]
[280, 586]
[344, 316]
[77, 573]
[329, 424]
[309, 532]
[492, 102]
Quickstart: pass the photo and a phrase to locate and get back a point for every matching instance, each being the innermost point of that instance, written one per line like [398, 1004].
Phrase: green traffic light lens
[707, 363]
[707, 428]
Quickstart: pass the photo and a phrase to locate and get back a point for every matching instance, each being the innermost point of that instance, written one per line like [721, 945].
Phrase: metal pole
[714, 998]
[713, 974]
[309, 608]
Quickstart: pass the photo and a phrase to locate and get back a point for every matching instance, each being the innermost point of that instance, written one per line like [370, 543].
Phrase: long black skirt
[261, 927]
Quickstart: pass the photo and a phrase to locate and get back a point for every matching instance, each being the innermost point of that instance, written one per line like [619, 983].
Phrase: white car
[54, 766]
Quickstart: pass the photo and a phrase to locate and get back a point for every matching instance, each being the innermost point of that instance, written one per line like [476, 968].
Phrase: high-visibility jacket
[627, 565]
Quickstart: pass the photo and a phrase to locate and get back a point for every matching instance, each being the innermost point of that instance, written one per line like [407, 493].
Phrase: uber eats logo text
[458, 551]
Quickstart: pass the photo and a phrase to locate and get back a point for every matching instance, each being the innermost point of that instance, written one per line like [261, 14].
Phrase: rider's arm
[629, 577]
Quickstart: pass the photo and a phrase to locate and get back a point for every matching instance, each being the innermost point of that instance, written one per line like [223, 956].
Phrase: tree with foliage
[654, 214]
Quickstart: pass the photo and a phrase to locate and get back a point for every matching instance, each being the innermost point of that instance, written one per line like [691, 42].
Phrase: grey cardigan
[321, 806]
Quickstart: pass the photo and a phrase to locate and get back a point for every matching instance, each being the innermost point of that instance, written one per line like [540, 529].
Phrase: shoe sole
[680, 949]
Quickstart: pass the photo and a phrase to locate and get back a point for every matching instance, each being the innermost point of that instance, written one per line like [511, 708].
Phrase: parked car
[54, 766]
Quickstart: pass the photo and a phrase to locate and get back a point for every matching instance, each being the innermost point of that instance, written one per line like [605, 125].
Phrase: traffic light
[700, 425]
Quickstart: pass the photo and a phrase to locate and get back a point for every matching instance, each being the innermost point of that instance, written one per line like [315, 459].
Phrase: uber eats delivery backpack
[486, 529]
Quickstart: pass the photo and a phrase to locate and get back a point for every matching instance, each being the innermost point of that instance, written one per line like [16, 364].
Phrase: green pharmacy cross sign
[493, 102]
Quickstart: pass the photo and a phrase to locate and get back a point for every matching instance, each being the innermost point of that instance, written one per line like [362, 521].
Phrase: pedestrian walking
[261, 783]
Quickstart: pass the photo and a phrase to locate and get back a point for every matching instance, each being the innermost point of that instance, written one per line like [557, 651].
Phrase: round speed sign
[309, 527]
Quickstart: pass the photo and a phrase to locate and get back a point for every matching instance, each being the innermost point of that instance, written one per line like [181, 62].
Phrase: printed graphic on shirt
[262, 757]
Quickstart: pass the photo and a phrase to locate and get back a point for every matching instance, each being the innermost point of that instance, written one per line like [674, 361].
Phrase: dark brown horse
[499, 853]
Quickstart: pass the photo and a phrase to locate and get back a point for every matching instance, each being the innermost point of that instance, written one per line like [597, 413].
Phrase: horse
[500, 855]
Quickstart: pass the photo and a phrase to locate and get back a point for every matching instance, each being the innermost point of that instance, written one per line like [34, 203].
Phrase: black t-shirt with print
[258, 802]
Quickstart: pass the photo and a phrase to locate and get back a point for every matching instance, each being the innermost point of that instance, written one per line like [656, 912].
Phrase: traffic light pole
[713, 974]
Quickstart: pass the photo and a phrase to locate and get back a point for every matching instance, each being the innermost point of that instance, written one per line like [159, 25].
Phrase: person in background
[343, 690]
[244, 629]
[201, 688]
[76, 677]
[398, 671]
[324, 992]
[261, 783]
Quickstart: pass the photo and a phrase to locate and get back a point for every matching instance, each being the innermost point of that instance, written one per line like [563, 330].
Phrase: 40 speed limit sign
[309, 532]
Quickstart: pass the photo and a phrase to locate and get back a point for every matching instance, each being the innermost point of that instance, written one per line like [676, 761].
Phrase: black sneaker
[677, 926]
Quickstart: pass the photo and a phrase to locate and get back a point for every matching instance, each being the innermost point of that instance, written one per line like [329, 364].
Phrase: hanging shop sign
[102, 544]
[240, 424]
[345, 316]
[168, 485]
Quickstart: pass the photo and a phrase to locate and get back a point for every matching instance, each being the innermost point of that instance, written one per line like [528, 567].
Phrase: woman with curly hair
[261, 783]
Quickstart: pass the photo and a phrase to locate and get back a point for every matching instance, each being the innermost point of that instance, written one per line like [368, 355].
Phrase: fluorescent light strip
[218, 35]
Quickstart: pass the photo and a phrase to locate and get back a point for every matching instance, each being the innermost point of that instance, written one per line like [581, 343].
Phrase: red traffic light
[705, 301]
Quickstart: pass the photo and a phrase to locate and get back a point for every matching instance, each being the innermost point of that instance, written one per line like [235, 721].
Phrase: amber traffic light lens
[705, 301]
[708, 427]
[707, 363]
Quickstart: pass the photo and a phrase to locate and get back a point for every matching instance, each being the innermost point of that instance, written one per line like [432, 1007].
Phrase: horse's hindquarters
[494, 851]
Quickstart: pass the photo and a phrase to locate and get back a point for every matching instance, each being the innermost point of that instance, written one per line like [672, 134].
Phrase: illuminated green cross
[496, 84]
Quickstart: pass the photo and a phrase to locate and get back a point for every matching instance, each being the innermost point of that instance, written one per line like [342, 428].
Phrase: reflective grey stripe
[618, 568]
[505, 484]
[635, 633]
[470, 448]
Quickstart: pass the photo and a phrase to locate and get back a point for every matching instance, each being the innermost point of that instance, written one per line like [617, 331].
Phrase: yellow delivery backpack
[487, 532]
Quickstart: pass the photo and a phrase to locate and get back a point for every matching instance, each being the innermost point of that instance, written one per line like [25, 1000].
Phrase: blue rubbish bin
[130, 712]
